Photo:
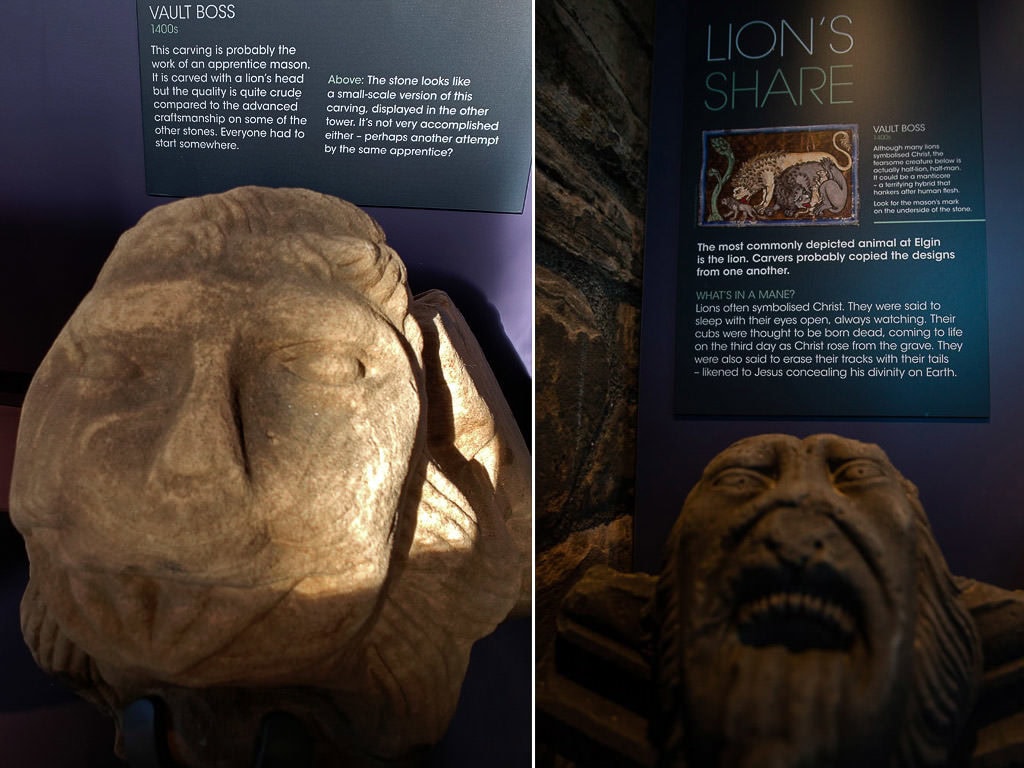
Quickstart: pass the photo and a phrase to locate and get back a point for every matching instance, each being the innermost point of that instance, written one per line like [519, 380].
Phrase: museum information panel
[382, 102]
[831, 255]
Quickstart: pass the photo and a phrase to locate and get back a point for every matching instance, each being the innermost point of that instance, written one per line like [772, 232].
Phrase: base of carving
[282, 741]
[596, 696]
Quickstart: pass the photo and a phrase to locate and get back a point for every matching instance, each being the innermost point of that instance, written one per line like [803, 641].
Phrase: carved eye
[107, 365]
[323, 363]
[741, 480]
[856, 471]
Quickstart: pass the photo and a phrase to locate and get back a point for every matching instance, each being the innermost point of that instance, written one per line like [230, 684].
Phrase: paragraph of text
[214, 97]
[772, 258]
[405, 116]
[916, 179]
[834, 339]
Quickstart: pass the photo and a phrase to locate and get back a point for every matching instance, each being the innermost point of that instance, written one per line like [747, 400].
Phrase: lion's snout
[796, 536]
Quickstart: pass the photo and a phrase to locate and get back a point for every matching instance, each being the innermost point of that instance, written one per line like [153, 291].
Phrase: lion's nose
[201, 445]
[796, 536]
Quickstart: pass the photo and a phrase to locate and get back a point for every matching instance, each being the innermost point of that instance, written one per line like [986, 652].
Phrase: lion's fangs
[782, 606]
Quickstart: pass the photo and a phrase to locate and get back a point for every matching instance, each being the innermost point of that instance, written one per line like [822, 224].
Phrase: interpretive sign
[382, 102]
[831, 246]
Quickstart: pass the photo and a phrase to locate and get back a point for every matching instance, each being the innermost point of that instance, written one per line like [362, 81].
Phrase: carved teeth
[778, 606]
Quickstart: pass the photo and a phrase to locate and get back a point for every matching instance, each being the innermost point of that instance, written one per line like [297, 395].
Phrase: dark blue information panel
[831, 250]
[423, 104]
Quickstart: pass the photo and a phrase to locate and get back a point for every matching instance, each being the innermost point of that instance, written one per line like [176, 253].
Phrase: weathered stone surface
[597, 724]
[560, 566]
[586, 394]
[592, 91]
[804, 616]
[807, 617]
[253, 472]
[592, 103]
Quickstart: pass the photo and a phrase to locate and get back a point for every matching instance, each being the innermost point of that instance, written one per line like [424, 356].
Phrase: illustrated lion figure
[806, 616]
[760, 173]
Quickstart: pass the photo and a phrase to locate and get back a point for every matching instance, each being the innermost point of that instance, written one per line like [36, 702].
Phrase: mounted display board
[382, 102]
[830, 256]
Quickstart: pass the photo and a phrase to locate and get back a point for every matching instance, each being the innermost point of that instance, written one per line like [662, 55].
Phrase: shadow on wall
[50, 264]
[8, 435]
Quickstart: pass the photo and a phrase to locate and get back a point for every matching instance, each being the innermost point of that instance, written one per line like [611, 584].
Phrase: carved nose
[202, 439]
[796, 536]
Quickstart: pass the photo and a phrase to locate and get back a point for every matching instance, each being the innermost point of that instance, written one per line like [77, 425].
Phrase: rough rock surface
[804, 616]
[593, 79]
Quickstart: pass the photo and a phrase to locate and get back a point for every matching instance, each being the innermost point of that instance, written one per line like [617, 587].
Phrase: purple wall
[72, 179]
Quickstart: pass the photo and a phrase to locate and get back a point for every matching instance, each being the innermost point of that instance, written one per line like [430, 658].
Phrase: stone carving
[804, 617]
[254, 474]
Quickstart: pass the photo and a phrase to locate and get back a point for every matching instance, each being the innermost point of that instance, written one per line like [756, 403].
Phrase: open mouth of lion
[799, 610]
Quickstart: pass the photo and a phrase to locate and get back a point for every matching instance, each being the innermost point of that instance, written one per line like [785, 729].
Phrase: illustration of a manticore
[779, 176]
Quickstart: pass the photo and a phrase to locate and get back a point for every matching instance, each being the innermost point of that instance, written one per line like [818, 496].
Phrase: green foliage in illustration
[721, 146]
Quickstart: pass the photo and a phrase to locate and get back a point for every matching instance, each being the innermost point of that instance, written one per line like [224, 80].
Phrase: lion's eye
[323, 363]
[108, 365]
[855, 471]
[741, 480]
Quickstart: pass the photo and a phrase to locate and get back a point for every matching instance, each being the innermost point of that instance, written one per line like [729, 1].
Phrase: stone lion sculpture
[253, 474]
[804, 616]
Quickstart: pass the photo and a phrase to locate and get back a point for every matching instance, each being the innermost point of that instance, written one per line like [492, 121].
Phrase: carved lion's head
[252, 461]
[807, 617]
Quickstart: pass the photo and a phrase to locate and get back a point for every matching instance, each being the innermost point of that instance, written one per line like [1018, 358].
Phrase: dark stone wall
[593, 84]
